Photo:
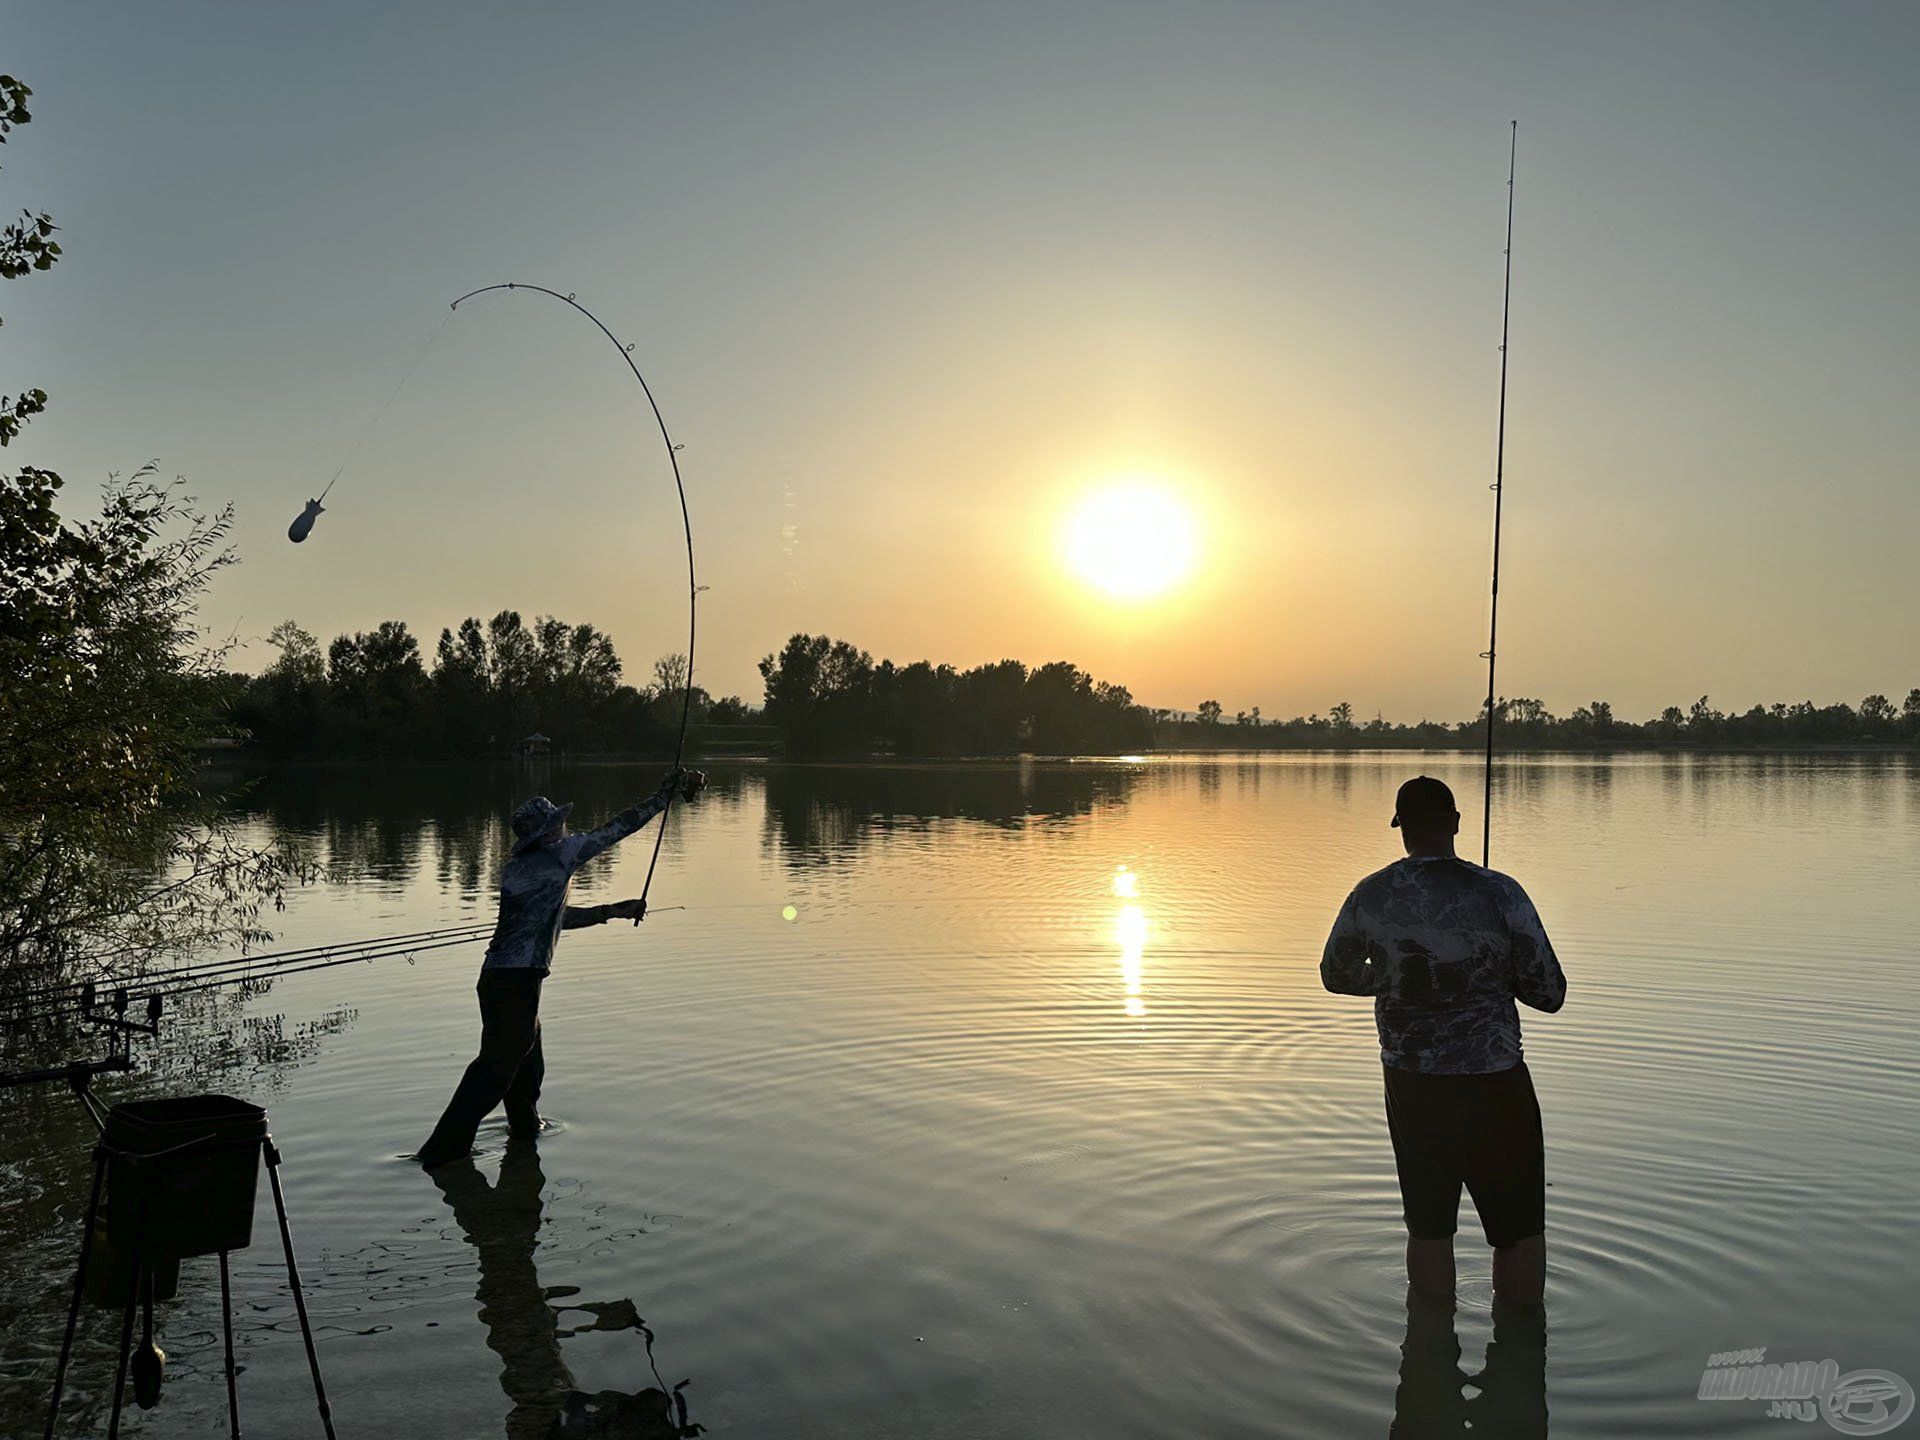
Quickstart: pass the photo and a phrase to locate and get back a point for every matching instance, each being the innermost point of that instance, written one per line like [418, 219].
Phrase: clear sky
[910, 281]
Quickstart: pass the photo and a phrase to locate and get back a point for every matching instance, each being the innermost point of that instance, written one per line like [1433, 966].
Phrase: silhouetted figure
[1511, 1398]
[502, 1223]
[1445, 947]
[533, 912]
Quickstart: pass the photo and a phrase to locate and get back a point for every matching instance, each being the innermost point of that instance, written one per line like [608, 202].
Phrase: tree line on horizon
[1528, 724]
[491, 685]
[828, 696]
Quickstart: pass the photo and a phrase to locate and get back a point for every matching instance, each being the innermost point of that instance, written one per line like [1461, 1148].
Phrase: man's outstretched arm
[1538, 980]
[578, 917]
[1345, 968]
[631, 819]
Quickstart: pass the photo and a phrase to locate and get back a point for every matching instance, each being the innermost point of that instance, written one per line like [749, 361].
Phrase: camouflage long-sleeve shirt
[1445, 948]
[534, 885]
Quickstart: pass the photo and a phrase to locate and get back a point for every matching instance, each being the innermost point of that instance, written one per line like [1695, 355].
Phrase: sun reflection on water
[1130, 933]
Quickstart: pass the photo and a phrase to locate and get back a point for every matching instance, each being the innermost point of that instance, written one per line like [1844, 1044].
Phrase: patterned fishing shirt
[1445, 948]
[534, 885]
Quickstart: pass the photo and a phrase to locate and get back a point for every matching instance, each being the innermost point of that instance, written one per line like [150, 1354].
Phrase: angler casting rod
[686, 523]
[1499, 481]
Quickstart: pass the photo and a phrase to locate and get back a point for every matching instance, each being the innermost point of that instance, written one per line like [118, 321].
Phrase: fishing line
[686, 523]
[374, 422]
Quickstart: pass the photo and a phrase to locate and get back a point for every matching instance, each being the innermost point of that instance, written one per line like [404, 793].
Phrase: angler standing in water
[1445, 947]
[533, 912]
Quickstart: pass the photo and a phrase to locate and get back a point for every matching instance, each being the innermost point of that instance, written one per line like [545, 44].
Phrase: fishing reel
[115, 1014]
[112, 1017]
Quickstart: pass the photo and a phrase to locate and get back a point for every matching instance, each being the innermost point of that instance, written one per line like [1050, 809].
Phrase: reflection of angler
[502, 1223]
[1512, 1386]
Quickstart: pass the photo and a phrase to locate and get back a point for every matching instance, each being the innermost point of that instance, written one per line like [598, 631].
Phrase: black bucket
[109, 1277]
[181, 1174]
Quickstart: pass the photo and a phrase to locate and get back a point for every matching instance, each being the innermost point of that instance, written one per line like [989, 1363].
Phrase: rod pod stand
[141, 1287]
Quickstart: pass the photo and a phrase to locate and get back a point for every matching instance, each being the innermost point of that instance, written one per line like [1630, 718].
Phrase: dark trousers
[1481, 1131]
[508, 1068]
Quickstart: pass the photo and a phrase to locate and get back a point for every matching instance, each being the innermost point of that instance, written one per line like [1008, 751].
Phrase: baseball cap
[1421, 798]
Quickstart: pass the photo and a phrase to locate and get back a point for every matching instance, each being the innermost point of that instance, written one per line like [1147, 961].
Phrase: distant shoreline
[238, 758]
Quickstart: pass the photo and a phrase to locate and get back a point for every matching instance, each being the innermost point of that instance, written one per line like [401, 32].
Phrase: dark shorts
[1481, 1131]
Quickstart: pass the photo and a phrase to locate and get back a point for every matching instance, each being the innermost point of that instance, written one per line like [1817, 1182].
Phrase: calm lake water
[1005, 1101]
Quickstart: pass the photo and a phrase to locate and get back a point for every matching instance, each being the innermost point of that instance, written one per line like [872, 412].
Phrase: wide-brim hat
[534, 821]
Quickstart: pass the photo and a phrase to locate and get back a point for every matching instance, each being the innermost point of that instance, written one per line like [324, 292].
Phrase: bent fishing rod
[686, 523]
[1498, 487]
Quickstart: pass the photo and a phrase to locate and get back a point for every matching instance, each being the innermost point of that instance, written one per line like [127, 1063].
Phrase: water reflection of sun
[1130, 933]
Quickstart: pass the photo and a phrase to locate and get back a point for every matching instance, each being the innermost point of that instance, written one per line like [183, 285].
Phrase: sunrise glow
[1133, 540]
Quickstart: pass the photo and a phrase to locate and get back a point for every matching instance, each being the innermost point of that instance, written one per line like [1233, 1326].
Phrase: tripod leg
[126, 1349]
[299, 1300]
[79, 1289]
[226, 1320]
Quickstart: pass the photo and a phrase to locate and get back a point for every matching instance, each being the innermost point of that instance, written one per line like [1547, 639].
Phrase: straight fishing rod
[265, 964]
[68, 993]
[356, 958]
[259, 980]
[1499, 484]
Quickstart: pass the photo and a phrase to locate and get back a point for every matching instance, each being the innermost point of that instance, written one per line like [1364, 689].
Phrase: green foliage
[1527, 724]
[27, 243]
[16, 410]
[491, 684]
[107, 846]
[829, 697]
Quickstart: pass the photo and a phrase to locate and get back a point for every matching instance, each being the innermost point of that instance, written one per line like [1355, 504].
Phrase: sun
[1133, 540]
